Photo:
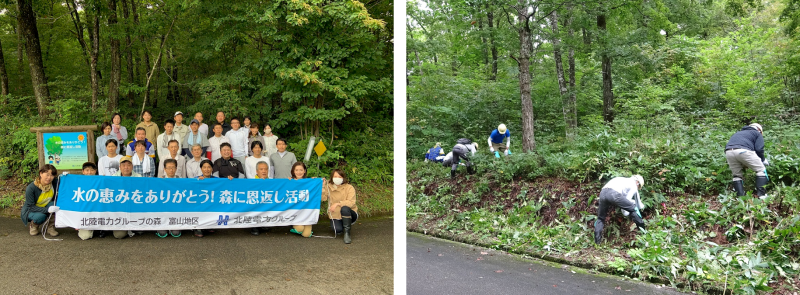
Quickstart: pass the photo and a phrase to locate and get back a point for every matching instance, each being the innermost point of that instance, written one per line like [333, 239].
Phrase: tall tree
[523, 64]
[3, 74]
[608, 88]
[492, 46]
[116, 68]
[27, 26]
[128, 50]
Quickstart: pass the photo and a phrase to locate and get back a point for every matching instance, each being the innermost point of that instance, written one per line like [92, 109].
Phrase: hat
[178, 113]
[502, 128]
[757, 127]
[194, 121]
[125, 159]
[639, 178]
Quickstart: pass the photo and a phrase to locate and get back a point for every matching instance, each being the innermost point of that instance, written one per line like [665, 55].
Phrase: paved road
[227, 262]
[436, 266]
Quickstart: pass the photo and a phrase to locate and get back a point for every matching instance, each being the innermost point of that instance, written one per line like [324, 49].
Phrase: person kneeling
[622, 192]
[342, 209]
[170, 168]
[299, 172]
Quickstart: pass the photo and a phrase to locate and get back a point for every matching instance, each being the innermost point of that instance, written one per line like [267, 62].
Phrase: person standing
[180, 129]
[109, 164]
[270, 141]
[164, 139]
[40, 197]
[463, 149]
[745, 149]
[281, 162]
[142, 164]
[237, 137]
[496, 141]
[221, 121]
[227, 166]
[100, 148]
[140, 135]
[216, 141]
[118, 131]
[342, 208]
[195, 137]
[254, 136]
[622, 192]
[180, 166]
[251, 161]
[150, 128]
[203, 126]
[193, 164]
[170, 169]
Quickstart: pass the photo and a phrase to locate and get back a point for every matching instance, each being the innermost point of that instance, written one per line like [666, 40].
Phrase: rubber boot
[452, 174]
[346, 221]
[761, 181]
[51, 227]
[33, 227]
[598, 231]
[738, 186]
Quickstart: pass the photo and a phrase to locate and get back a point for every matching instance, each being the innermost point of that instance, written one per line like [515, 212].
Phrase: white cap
[502, 128]
[639, 178]
[178, 113]
[758, 127]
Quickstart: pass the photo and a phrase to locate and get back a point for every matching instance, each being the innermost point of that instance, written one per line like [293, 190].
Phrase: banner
[65, 150]
[139, 203]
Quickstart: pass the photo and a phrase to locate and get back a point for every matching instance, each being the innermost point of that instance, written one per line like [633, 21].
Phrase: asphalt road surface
[226, 262]
[436, 266]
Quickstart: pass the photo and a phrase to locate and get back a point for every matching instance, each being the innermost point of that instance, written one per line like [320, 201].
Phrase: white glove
[65, 173]
[766, 162]
[53, 209]
[625, 213]
[491, 149]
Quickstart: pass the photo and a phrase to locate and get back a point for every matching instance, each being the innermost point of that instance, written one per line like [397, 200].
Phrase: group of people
[232, 151]
[745, 149]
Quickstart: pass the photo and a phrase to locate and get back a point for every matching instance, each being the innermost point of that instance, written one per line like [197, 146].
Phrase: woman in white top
[118, 131]
[215, 141]
[109, 164]
[251, 162]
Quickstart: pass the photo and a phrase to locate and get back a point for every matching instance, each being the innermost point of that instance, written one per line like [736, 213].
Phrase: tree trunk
[3, 75]
[528, 137]
[128, 53]
[27, 26]
[484, 49]
[562, 84]
[20, 62]
[76, 21]
[94, 39]
[573, 122]
[116, 73]
[490, 17]
[608, 93]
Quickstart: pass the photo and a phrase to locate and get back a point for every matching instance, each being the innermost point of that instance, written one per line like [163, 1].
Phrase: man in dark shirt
[227, 166]
[225, 126]
[745, 149]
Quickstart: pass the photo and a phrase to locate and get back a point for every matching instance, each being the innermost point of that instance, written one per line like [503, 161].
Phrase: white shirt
[180, 169]
[270, 144]
[193, 167]
[163, 142]
[251, 164]
[203, 129]
[238, 140]
[628, 188]
[108, 166]
[213, 146]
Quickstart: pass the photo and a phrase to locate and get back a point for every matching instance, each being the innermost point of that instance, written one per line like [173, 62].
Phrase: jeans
[336, 224]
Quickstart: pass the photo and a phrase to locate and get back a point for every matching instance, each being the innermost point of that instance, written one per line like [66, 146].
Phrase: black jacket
[231, 167]
[748, 138]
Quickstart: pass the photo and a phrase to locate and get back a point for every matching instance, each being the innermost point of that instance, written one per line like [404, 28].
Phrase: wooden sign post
[65, 147]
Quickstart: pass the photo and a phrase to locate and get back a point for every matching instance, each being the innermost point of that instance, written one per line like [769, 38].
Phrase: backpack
[463, 141]
[433, 153]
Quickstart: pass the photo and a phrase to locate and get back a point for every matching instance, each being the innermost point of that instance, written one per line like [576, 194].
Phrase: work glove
[491, 149]
[53, 209]
[508, 152]
[766, 162]
[65, 173]
[496, 154]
